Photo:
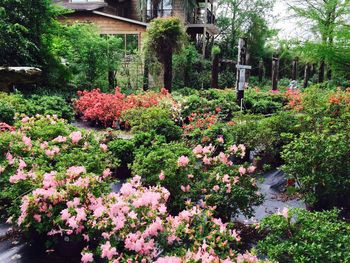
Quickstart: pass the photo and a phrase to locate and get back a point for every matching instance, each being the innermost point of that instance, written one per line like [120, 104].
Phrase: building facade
[129, 18]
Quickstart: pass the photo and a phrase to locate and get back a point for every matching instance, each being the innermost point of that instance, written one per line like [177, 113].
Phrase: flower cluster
[216, 178]
[106, 109]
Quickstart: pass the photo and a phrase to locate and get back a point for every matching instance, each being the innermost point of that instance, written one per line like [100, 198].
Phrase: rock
[18, 75]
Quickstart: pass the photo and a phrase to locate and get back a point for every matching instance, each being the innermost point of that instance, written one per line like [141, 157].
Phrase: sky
[288, 26]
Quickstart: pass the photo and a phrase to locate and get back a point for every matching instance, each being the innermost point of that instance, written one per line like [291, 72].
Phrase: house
[129, 18]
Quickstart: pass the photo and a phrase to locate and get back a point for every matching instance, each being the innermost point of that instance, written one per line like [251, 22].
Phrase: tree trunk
[275, 69]
[295, 68]
[111, 79]
[145, 75]
[215, 72]
[321, 72]
[329, 74]
[168, 70]
[306, 75]
[261, 70]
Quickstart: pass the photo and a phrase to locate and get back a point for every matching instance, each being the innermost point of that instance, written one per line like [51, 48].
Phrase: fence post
[241, 60]
[275, 69]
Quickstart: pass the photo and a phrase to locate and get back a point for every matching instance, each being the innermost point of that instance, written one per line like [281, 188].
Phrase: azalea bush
[35, 104]
[320, 165]
[213, 173]
[297, 235]
[263, 102]
[153, 119]
[105, 109]
[130, 225]
[42, 145]
[318, 158]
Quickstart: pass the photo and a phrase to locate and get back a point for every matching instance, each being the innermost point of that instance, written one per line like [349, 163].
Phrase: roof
[82, 6]
[120, 18]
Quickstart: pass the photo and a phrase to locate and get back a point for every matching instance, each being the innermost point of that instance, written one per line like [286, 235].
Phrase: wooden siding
[106, 25]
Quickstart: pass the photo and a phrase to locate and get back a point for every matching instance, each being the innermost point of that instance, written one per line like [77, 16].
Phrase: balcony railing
[151, 13]
[200, 17]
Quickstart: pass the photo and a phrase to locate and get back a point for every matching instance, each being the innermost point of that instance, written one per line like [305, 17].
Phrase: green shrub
[122, 150]
[302, 236]
[153, 119]
[45, 128]
[151, 161]
[7, 113]
[320, 164]
[50, 105]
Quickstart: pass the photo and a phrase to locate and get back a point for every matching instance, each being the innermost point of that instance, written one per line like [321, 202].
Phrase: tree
[239, 18]
[325, 19]
[164, 37]
[88, 57]
[26, 31]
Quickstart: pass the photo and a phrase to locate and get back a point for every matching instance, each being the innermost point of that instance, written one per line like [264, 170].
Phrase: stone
[10, 76]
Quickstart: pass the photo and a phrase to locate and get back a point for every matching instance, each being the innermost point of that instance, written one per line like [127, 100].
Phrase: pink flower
[22, 164]
[75, 136]
[161, 176]
[226, 178]
[37, 218]
[44, 145]
[242, 170]
[169, 260]
[76, 170]
[60, 139]
[198, 150]
[190, 176]
[27, 141]
[207, 160]
[233, 148]
[9, 158]
[108, 251]
[103, 147]
[251, 169]
[220, 139]
[186, 188]
[216, 188]
[87, 257]
[106, 173]
[183, 161]
[25, 119]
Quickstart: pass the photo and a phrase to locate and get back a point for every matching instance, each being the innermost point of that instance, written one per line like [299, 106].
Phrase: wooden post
[261, 70]
[306, 75]
[321, 72]
[275, 69]
[295, 68]
[215, 71]
[241, 60]
[145, 74]
[205, 27]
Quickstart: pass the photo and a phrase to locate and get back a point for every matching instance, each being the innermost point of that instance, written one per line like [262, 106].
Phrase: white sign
[241, 83]
[243, 67]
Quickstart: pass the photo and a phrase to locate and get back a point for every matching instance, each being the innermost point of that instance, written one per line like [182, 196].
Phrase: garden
[183, 172]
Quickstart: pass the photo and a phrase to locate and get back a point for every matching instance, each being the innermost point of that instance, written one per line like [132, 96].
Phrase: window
[130, 42]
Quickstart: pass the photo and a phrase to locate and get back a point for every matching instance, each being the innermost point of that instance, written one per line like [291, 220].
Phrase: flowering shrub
[132, 225]
[23, 157]
[301, 236]
[153, 119]
[60, 202]
[206, 174]
[106, 109]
